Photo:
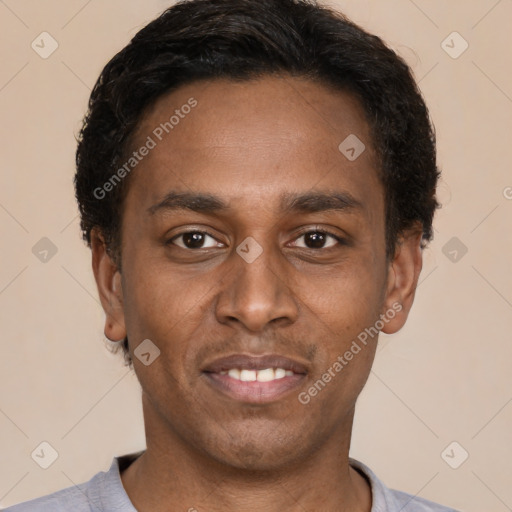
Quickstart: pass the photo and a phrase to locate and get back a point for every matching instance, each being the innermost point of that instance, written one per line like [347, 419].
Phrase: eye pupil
[193, 240]
[312, 239]
[317, 239]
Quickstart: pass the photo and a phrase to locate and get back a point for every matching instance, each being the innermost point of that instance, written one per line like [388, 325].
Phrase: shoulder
[72, 498]
[103, 492]
[391, 500]
[409, 503]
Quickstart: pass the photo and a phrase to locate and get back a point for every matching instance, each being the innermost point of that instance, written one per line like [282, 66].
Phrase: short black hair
[247, 39]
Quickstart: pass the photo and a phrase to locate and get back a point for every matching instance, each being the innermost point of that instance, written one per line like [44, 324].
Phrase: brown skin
[248, 143]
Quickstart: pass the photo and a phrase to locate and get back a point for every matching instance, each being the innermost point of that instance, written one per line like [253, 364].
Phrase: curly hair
[246, 39]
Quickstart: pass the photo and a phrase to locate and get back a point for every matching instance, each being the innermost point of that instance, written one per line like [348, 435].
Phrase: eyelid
[191, 230]
[320, 229]
[308, 229]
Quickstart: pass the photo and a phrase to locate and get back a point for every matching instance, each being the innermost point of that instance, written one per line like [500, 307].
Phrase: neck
[171, 471]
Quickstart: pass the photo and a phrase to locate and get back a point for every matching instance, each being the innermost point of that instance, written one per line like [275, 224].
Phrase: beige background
[445, 377]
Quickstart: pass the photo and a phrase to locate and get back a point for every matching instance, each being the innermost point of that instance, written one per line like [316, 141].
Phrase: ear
[403, 273]
[108, 281]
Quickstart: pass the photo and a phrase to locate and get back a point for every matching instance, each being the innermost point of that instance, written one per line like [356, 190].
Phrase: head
[280, 131]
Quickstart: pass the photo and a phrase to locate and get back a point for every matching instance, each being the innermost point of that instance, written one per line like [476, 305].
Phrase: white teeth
[266, 375]
[234, 374]
[248, 375]
[280, 373]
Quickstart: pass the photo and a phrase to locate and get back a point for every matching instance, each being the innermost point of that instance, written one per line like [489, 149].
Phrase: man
[256, 180]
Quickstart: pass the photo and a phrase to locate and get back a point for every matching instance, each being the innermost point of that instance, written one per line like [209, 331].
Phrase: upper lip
[254, 362]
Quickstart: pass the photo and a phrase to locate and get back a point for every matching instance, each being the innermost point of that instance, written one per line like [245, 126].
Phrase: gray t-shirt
[105, 493]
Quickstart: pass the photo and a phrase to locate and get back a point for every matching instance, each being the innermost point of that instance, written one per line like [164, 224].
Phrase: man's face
[218, 288]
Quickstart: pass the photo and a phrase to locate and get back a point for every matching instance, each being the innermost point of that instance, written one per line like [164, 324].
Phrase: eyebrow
[311, 202]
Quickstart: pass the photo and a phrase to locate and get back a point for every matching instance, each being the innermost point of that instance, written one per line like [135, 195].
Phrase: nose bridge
[258, 289]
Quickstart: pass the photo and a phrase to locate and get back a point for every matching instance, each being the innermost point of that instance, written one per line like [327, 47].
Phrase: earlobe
[108, 281]
[403, 273]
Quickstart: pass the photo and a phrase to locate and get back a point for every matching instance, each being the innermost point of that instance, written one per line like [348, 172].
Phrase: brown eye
[317, 239]
[193, 240]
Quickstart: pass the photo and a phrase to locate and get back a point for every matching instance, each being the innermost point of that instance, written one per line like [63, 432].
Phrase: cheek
[164, 306]
[348, 297]
[347, 346]
[345, 314]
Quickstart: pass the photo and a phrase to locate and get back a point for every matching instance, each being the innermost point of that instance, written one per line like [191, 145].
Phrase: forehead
[254, 139]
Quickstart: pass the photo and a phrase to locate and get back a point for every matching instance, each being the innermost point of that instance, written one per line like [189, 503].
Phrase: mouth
[255, 378]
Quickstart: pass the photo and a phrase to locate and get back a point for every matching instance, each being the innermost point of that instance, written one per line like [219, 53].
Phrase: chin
[271, 451]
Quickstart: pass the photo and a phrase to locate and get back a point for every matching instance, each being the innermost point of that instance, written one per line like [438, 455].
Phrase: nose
[257, 292]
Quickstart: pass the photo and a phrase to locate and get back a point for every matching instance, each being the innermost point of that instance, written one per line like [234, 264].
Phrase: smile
[266, 375]
[255, 379]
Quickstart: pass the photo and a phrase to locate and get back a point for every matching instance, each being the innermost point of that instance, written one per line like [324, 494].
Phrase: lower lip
[253, 391]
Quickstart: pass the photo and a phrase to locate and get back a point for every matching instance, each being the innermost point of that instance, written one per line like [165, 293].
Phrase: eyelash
[340, 240]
